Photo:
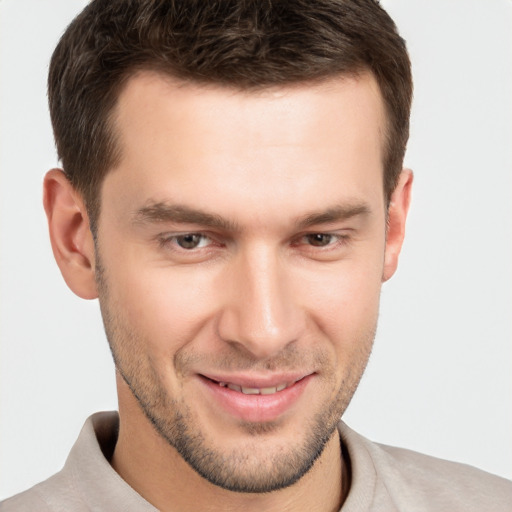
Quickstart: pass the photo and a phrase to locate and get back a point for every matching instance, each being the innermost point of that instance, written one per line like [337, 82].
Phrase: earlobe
[70, 234]
[397, 216]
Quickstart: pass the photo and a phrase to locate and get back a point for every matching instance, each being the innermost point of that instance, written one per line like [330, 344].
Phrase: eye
[320, 239]
[191, 241]
[187, 241]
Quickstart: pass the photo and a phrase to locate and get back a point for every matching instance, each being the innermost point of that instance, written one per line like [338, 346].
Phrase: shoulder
[57, 494]
[83, 472]
[457, 486]
[414, 481]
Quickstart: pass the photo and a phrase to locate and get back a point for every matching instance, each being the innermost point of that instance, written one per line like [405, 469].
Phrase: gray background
[439, 380]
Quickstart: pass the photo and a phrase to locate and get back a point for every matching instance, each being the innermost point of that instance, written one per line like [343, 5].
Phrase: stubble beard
[249, 468]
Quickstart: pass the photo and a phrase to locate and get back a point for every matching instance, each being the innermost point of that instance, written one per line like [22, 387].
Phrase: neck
[160, 475]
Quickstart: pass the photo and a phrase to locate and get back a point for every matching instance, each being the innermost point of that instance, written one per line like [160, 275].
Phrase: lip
[256, 408]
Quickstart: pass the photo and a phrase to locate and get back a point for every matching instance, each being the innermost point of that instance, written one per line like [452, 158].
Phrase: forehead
[208, 107]
[180, 142]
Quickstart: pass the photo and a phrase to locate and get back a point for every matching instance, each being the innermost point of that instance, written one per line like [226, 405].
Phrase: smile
[256, 391]
[256, 399]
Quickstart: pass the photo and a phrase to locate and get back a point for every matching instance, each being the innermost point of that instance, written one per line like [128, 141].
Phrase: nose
[262, 311]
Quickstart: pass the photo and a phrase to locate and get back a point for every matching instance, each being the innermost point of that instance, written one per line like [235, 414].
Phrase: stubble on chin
[264, 463]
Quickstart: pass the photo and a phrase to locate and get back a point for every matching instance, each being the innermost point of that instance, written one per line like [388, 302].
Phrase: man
[233, 194]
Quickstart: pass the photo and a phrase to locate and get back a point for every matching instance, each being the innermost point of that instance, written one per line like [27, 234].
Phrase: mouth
[252, 390]
[256, 399]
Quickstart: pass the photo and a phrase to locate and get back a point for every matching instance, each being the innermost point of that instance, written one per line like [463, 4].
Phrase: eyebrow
[333, 214]
[159, 212]
[179, 214]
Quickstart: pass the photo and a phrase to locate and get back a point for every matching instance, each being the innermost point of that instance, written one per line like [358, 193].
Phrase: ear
[397, 215]
[70, 234]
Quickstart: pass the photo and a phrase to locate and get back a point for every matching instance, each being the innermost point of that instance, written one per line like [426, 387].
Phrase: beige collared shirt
[383, 479]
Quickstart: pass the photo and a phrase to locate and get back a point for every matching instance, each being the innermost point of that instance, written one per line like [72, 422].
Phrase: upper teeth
[254, 391]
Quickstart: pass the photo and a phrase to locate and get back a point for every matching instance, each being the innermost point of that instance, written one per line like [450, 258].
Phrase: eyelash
[171, 241]
[335, 239]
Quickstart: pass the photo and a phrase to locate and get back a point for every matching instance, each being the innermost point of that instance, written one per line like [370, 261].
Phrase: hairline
[111, 117]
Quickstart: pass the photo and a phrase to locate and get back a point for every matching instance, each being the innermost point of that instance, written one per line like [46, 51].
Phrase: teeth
[250, 391]
[254, 391]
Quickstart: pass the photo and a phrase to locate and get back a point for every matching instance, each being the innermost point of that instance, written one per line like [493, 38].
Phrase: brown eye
[190, 240]
[319, 239]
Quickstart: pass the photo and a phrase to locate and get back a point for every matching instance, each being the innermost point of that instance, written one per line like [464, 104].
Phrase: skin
[285, 280]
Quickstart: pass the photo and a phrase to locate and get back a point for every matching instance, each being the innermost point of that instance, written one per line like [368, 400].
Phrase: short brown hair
[246, 44]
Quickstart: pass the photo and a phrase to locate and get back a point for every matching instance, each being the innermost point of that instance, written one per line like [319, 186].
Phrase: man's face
[240, 257]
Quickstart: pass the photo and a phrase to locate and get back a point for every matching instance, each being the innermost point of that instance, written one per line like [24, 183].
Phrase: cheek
[347, 290]
[165, 307]
[345, 305]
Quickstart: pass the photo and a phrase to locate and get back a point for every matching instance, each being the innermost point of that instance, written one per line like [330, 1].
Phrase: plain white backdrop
[440, 378]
